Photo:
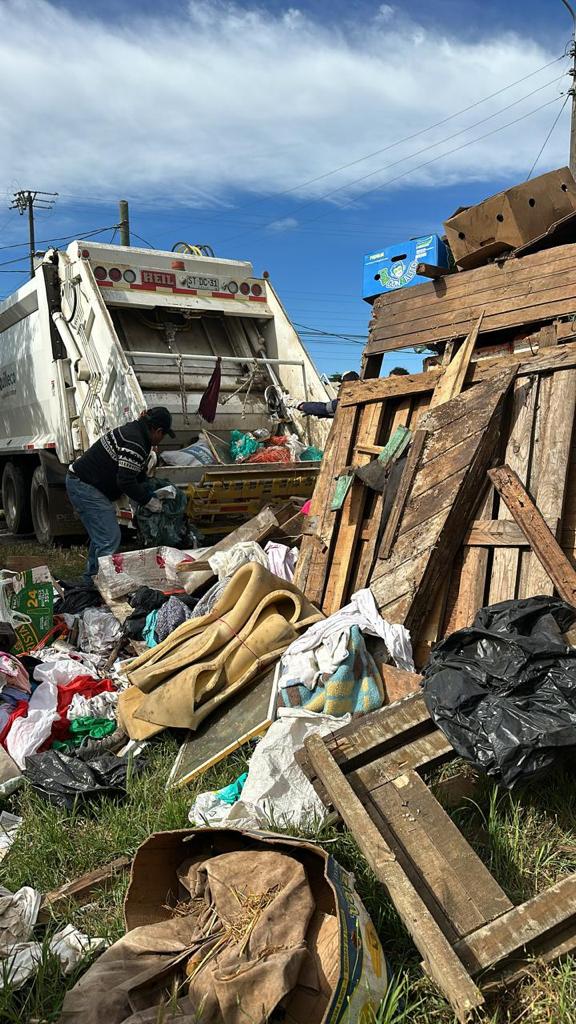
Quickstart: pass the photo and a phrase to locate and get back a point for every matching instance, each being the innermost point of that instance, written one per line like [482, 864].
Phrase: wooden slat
[542, 540]
[428, 751]
[386, 388]
[471, 584]
[464, 891]
[350, 520]
[81, 889]
[442, 963]
[505, 566]
[368, 737]
[367, 553]
[452, 380]
[316, 549]
[522, 925]
[406, 584]
[401, 498]
[376, 390]
[554, 462]
[496, 533]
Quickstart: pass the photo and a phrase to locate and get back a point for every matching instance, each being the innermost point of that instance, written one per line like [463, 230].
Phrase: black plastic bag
[63, 780]
[504, 690]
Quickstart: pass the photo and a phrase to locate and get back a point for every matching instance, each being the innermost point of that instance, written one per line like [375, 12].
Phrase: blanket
[208, 659]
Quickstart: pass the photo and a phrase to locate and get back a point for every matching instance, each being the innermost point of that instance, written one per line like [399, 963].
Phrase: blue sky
[226, 125]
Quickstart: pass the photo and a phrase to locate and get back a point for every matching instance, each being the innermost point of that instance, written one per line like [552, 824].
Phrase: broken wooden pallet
[444, 489]
[469, 933]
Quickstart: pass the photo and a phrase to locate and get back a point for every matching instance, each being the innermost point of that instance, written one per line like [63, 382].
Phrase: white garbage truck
[102, 332]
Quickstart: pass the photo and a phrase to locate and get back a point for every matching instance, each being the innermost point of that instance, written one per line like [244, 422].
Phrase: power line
[410, 156]
[548, 137]
[441, 156]
[140, 239]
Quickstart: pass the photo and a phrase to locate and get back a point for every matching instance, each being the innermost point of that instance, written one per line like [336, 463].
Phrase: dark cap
[159, 416]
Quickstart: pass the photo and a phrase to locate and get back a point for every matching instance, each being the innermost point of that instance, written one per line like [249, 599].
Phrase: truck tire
[16, 498]
[42, 519]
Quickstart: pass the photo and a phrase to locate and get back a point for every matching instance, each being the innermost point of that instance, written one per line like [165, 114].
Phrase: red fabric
[305, 510]
[20, 710]
[85, 685]
[209, 400]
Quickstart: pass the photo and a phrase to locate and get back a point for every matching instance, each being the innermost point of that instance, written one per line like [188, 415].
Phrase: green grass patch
[527, 839]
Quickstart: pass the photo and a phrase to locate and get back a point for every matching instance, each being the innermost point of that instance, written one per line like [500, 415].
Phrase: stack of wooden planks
[440, 542]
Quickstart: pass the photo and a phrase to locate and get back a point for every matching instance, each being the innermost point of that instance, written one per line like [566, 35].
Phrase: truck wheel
[40, 502]
[16, 498]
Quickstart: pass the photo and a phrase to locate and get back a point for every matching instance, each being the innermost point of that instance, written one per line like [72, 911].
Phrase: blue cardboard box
[395, 266]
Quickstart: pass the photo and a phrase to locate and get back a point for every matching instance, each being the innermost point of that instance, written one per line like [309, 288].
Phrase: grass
[526, 838]
[66, 562]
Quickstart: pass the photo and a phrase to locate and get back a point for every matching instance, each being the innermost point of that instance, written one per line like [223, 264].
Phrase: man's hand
[154, 505]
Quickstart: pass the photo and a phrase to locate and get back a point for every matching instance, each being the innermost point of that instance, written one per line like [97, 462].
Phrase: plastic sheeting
[24, 959]
[99, 631]
[276, 793]
[62, 780]
[504, 690]
[122, 573]
[28, 734]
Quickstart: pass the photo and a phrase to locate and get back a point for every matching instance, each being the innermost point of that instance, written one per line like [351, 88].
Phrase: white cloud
[190, 107]
[386, 12]
[284, 224]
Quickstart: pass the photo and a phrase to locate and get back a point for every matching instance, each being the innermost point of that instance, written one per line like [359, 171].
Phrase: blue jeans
[98, 516]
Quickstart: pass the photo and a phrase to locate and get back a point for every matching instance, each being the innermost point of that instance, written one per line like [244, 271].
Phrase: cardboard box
[349, 967]
[395, 266]
[510, 219]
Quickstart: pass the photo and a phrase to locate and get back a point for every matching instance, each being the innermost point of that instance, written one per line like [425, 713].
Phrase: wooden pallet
[470, 935]
[437, 529]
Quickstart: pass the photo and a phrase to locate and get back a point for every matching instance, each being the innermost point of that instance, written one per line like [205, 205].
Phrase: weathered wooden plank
[450, 313]
[506, 562]
[427, 751]
[310, 573]
[398, 683]
[547, 360]
[522, 925]
[433, 335]
[542, 540]
[372, 735]
[495, 533]
[81, 889]
[350, 521]
[440, 538]
[549, 493]
[401, 498]
[414, 313]
[469, 591]
[367, 553]
[459, 883]
[386, 388]
[442, 963]
[452, 380]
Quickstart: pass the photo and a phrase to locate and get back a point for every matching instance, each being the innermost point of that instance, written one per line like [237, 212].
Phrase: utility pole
[26, 200]
[572, 91]
[124, 224]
